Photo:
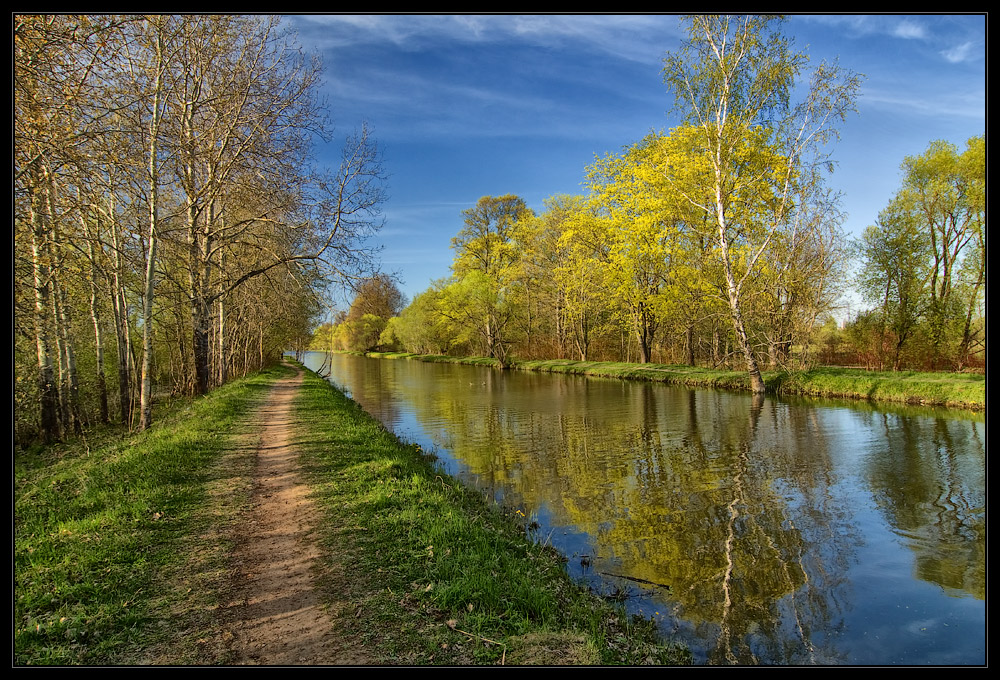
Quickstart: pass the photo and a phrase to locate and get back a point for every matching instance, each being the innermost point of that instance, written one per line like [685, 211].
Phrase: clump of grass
[446, 576]
[98, 523]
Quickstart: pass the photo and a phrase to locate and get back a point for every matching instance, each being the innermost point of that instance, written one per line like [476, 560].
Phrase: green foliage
[368, 324]
[719, 243]
[362, 334]
[483, 295]
[488, 242]
[894, 275]
[425, 325]
[732, 80]
[378, 296]
[922, 263]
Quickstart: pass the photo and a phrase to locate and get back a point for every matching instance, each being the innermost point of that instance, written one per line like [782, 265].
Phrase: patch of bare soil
[276, 614]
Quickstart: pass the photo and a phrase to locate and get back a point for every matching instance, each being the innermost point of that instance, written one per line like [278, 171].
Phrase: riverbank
[126, 547]
[953, 390]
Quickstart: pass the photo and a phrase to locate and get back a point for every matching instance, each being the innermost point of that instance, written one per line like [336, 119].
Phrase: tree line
[172, 226]
[923, 265]
[717, 243]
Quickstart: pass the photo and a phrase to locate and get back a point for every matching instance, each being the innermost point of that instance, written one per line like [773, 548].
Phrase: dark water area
[756, 531]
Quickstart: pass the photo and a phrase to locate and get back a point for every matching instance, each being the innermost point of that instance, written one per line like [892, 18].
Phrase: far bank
[952, 390]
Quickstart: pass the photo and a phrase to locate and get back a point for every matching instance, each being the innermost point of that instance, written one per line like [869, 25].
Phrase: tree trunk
[223, 358]
[643, 335]
[201, 321]
[146, 391]
[733, 290]
[48, 394]
[122, 335]
[95, 316]
[69, 386]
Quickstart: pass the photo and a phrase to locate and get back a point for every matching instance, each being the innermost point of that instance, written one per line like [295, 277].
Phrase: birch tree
[732, 80]
[161, 164]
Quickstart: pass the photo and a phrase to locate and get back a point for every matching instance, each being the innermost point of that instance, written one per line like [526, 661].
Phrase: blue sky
[466, 106]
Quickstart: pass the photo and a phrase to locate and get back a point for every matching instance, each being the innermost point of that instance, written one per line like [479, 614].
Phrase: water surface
[777, 531]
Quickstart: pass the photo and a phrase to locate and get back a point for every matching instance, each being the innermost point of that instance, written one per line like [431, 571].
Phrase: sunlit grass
[961, 390]
[99, 522]
[118, 556]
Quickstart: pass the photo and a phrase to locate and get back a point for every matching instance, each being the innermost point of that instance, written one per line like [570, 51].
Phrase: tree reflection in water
[755, 511]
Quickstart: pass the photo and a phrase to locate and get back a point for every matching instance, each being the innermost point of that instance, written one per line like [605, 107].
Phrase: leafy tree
[732, 80]
[575, 271]
[424, 326]
[486, 269]
[947, 189]
[377, 295]
[637, 235]
[484, 310]
[894, 274]
[377, 302]
[164, 183]
[361, 334]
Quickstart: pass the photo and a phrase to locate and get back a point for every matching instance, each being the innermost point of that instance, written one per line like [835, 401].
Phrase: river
[756, 531]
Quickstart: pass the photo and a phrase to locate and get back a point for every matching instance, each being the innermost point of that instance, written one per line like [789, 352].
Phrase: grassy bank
[437, 574]
[122, 548]
[954, 390]
[119, 547]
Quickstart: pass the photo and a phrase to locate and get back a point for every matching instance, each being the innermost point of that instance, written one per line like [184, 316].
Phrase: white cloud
[964, 52]
[966, 105]
[863, 26]
[909, 30]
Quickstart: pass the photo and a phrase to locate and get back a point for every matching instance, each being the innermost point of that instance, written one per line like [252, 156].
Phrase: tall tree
[161, 37]
[640, 236]
[732, 80]
[162, 164]
[894, 274]
[378, 295]
[55, 60]
[244, 108]
[947, 189]
[487, 254]
[565, 271]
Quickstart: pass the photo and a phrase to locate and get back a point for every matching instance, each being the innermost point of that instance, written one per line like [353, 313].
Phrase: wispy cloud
[908, 30]
[967, 51]
[966, 105]
[631, 37]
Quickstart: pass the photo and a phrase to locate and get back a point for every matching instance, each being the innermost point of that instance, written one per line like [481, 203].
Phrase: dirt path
[278, 617]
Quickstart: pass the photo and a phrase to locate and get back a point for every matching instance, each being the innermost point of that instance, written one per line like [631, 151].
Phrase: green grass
[954, 390]
[105, 529]
[123, 547]
[444, 575]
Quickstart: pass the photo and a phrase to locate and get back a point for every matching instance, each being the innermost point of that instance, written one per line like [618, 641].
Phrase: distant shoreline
[966, 391]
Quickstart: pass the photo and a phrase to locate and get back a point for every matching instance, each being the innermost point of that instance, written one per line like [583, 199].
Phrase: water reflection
[932, 477]
[776, 531]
